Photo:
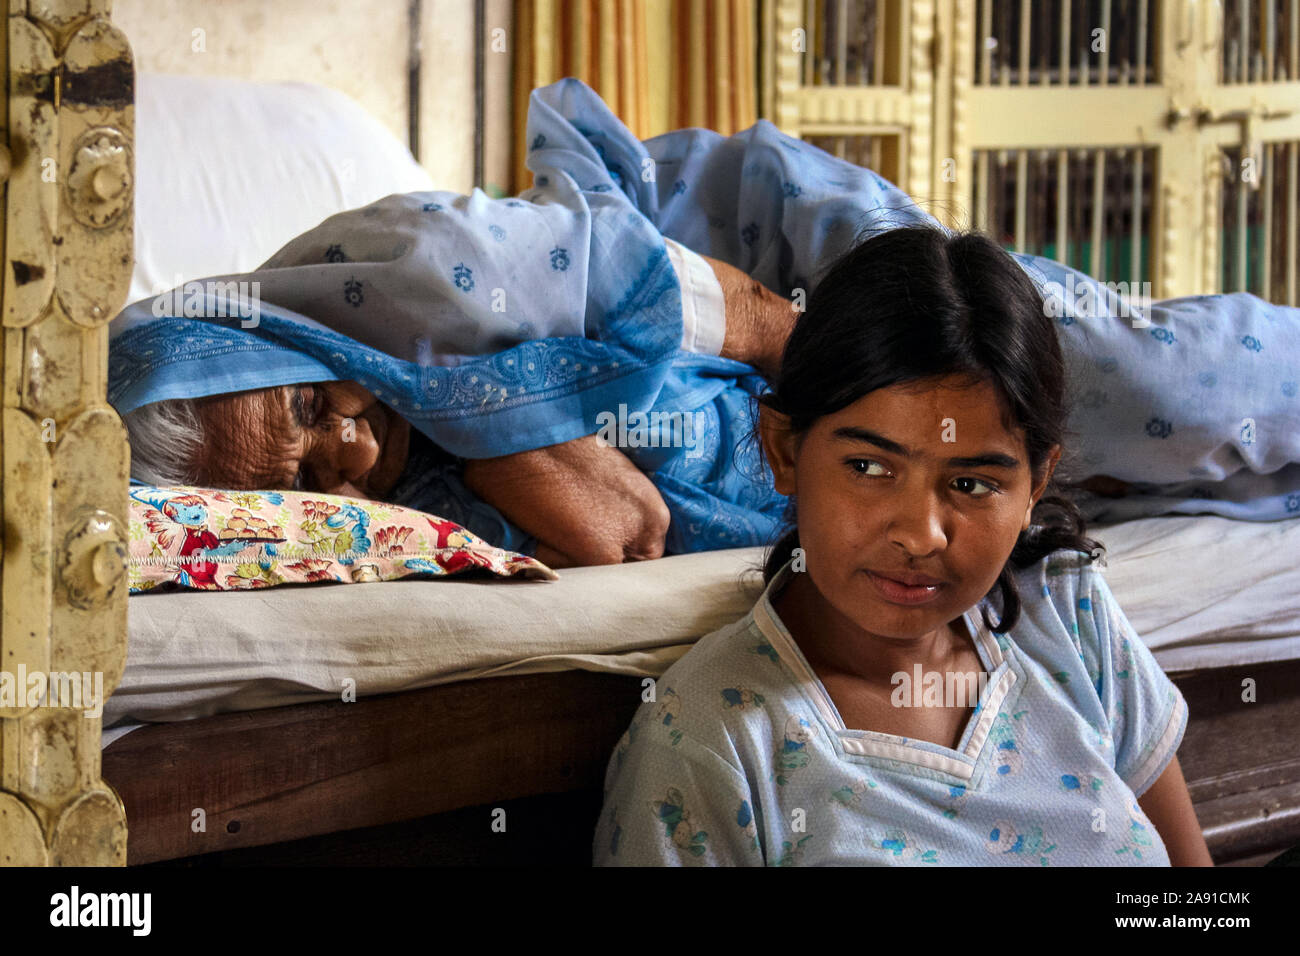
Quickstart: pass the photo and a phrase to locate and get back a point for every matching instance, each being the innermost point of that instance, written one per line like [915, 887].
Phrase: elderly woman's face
[332, 437]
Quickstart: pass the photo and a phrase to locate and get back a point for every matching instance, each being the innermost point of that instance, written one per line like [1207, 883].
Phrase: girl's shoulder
[1066, 602]
[737, 651]
[1065, 579]
[723, 689]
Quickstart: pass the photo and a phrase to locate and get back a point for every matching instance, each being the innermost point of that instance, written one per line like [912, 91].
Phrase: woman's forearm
[586, 503]
[758, 320]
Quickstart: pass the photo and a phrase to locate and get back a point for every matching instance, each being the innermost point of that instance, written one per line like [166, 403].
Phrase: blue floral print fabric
[741, 758]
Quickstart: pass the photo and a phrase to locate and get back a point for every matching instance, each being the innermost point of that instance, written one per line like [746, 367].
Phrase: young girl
[937, 671]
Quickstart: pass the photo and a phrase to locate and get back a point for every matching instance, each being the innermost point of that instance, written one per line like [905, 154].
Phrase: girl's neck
[832, 642]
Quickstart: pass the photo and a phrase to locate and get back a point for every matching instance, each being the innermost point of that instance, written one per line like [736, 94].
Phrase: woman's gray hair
[166, 441]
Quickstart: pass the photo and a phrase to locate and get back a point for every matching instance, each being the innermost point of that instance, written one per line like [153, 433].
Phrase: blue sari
[499, 326]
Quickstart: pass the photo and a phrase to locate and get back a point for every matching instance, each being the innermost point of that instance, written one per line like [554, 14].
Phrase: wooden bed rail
[283, 774]
[253, 778]
[66, 163]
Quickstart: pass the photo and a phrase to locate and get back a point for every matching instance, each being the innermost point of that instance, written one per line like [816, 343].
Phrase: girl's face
[921, 481]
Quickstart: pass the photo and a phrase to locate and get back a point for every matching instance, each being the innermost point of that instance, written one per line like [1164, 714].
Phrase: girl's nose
[917, 525]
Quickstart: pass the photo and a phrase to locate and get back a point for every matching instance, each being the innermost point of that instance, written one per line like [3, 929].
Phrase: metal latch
[1249, 119]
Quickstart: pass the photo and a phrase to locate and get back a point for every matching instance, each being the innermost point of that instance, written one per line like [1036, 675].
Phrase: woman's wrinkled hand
[758, 320]
[585, 502]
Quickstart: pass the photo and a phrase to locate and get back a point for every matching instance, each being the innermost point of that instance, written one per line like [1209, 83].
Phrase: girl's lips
[896, 592]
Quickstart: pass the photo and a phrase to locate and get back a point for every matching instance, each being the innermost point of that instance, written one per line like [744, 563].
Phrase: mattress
[1203, 592]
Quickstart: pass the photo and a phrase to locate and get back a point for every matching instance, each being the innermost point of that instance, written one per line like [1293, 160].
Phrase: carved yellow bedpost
[66, 155]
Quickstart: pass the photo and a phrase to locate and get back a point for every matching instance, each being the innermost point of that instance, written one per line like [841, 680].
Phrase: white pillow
[227, 171]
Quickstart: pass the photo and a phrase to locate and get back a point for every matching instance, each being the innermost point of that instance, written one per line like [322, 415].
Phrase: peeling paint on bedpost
[67, 168]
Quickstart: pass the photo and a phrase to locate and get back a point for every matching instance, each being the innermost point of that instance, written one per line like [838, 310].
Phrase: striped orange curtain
[714, 69]
[659, 64]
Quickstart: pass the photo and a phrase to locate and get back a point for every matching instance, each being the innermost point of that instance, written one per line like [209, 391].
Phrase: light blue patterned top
[743, 759]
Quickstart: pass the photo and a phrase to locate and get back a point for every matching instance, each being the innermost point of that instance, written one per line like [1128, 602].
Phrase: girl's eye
[862, 466]
[975, 481]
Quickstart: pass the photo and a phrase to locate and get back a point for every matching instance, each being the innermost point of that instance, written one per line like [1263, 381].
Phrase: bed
[481, 693]
[227, 732]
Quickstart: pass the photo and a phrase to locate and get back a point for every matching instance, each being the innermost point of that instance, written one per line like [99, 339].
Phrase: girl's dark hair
[918, 303]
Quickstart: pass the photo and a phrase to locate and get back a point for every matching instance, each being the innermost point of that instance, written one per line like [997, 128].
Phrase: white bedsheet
[1202, 591]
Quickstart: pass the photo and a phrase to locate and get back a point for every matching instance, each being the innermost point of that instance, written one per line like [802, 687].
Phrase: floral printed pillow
[240, 540]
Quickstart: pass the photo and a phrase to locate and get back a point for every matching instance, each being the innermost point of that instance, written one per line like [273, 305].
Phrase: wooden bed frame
[288, 773]
[230, 783]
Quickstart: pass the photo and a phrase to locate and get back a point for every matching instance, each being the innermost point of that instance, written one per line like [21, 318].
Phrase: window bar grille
[1243, 57]
[810, 42]
[1062, 156]
[841, 40]
[1104, 70]
[879, 27]
[1022, 156]
[1295, 40]
[1266, 193]
[1271, 22]
[1065, 43]
[1243, 199]
[1141, 53]
[1292, 251]
[985, 77]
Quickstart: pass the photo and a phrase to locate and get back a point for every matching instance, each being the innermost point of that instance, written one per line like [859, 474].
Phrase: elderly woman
[466, 356]
[337, 437]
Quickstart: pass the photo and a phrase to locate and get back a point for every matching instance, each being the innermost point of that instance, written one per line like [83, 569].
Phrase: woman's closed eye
[307, 403]
[306, 406]
[861, 467]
